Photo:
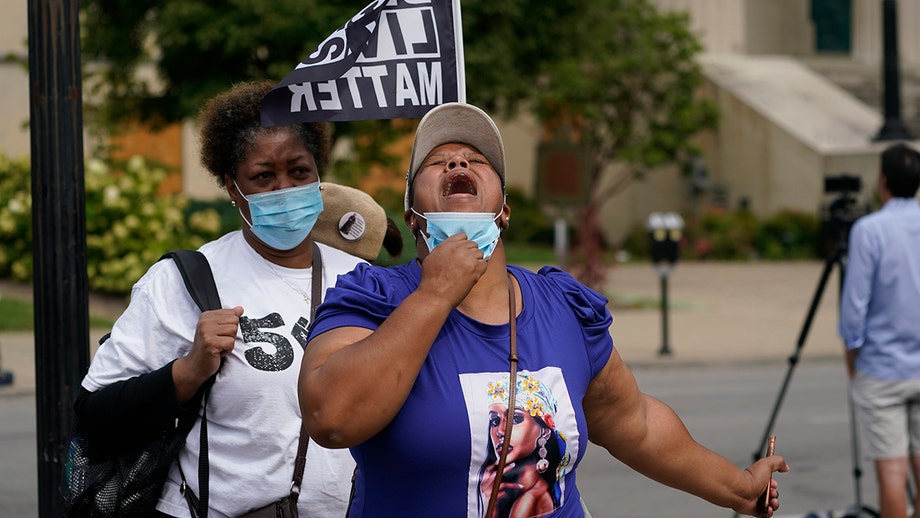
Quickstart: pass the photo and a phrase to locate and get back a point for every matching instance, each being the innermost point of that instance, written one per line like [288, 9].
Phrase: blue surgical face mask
[479, 227]
[282, 219]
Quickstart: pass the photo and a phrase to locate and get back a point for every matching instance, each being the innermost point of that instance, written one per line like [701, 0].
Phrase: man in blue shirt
[880, 325]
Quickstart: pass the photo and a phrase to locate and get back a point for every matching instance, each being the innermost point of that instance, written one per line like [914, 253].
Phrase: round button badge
[352, 226]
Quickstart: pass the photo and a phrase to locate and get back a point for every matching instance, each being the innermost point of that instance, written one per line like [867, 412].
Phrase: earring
[542, 464]
[233, 202]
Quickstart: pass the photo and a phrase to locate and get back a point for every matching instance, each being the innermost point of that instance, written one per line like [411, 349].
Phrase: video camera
[842, 183]
[840, 214]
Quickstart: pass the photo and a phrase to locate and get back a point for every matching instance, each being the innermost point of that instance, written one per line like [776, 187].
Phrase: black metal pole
[665, 345]
[58, 235]
[893, 128]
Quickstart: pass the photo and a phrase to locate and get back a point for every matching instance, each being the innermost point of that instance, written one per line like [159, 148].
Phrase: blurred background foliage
[736, 235]
[619, 77]
[129, 225]
[616, 75]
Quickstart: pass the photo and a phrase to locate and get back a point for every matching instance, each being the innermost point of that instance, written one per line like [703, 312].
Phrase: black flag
[394, 59]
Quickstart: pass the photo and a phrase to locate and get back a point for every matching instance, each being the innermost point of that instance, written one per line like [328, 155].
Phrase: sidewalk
[719, 313]
[727, 312]
[17, 349]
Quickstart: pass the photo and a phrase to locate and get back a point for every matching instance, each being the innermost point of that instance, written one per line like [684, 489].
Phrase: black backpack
[129, 483]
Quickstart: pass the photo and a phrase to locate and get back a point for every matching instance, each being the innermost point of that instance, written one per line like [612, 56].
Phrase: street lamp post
[58, 236]
[893, 128]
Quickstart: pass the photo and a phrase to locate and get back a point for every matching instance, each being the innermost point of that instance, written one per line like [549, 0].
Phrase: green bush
[199, 214]
[637, 243]
[15, 219]
[128, 225]
[529, 224]
[737, 235]
[789, 235]
[721, 234]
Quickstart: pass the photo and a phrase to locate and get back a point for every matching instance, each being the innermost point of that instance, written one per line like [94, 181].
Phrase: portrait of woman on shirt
[537, 456]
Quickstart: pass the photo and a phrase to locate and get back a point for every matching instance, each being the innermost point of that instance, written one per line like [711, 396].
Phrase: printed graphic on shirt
[542, 444]
[280, 355]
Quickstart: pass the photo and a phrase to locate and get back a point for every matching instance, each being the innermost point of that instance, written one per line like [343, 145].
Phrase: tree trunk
[590, 268]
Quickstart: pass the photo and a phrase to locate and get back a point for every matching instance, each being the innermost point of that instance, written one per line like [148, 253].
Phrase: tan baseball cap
[351, 221]
[456, 122]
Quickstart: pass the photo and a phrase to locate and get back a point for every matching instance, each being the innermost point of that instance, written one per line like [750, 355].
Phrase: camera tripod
[836, 258]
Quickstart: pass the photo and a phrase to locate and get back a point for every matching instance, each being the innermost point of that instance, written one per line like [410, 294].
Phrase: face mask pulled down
[479, 227]
[282, 219]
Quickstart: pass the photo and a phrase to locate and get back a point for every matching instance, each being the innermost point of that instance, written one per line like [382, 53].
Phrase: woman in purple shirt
[400, 360]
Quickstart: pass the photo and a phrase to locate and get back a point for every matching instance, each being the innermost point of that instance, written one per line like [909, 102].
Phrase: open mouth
[458, 183]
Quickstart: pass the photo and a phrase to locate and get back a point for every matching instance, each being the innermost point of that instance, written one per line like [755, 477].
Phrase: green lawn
[525, 254]
[17, 315]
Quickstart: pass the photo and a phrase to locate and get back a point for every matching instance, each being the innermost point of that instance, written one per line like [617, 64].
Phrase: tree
[626, 86]
[156, 61]
[195, 48]
[618, 74]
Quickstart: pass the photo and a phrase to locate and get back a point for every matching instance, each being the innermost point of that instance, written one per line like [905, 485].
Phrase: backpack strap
[199, 281]
[198, 278]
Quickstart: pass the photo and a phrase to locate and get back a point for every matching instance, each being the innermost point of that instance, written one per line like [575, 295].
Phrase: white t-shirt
[253, 412]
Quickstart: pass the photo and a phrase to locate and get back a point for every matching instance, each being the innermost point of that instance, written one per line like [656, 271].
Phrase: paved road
[725, 407]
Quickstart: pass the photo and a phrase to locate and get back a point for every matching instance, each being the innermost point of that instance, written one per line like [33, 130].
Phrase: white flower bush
[15, 219]
[128, 224]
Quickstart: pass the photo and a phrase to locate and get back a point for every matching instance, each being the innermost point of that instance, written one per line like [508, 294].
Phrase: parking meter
[665, 231]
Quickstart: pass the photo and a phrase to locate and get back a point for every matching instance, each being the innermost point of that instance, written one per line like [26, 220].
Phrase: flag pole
[461, 63]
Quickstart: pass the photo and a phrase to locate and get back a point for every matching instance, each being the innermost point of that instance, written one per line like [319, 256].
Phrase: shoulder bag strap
[512, 388]
[317, 296]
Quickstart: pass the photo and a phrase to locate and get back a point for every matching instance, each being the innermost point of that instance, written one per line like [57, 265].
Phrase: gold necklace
[304, 294]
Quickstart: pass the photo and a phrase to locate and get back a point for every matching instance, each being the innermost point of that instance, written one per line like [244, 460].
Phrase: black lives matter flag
[394, 59]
